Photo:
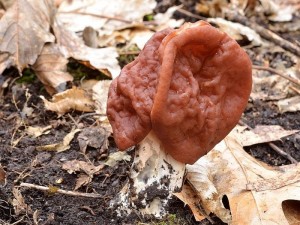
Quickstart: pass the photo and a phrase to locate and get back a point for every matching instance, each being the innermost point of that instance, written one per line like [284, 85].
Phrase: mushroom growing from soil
[181, 96]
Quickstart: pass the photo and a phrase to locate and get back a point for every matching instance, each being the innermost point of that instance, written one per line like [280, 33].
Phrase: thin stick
[99, 16]
[295, 89]
[274, 147]
[72, 193]
[283, 153]
[187, 13]
[265, 33]
[293, 80]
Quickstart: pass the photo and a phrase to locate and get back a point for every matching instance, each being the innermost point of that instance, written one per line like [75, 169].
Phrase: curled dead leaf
[24, 29]
[103, 59]
[19, 204]
[51, 69]
[71, 99]
[261, 134]
[228, 170]
[61, 146]
[37, 131]
[77, 165]
[95, 137]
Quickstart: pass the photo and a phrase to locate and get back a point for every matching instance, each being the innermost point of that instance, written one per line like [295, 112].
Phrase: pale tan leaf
[189, 197]
[71, 99]
[35, 217]
[276, 12]
[289, 105]
[19, 204]
[261, 134]
[267, 87]
[100, 93]
[165, 20]
[103, 59]
[237, 31]
[82, 180]
[110, 15]
[115, 157]
[95, 137]
[7, 3]
[254, 190]
[51, 69]
[60, 146]
[24, 29]
[77, 165]
[37, 131]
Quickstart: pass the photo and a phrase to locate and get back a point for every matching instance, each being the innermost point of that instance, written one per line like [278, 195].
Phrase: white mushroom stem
[154, 176]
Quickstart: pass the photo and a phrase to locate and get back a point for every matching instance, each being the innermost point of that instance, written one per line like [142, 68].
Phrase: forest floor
[24, 163]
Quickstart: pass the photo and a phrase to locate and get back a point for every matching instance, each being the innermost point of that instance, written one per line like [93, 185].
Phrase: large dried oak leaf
[257, 193]
[24, 29]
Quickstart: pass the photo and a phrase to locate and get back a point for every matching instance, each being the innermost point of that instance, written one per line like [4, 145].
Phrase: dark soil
[24, 163]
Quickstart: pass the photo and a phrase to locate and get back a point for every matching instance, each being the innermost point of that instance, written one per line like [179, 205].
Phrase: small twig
[74, 121]
[274, 147]
[265, 33]
[283, 153]
[187, 13]
[295, 89]
[293, 80]
[72, 193]
[97, 15]
[89, 114]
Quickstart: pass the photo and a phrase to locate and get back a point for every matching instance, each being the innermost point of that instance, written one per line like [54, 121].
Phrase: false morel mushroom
[189, 86]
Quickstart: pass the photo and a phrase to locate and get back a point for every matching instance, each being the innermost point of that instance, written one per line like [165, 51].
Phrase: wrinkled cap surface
[190, 86]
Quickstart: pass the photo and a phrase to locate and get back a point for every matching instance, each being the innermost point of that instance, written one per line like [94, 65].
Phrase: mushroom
[181, 96]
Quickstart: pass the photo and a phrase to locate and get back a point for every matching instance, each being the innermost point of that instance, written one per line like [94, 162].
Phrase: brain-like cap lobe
[190, 86]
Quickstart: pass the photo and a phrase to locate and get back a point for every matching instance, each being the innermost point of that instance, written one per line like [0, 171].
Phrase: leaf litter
[268, 92]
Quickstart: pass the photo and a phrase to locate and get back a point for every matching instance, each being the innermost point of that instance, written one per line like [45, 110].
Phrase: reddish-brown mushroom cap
[190, 86]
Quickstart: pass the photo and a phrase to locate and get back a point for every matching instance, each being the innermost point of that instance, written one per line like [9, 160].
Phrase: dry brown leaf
[214, 8]
[103, 59]
[115, 157]
[37, 131]
[261, 134]
[189, 197]
[51, 69]
[165, 20]
[100, 93]
[19, 204]
[7, 3]
[139, 34]
[289, 105]
[95, 137]
[35, 217]
[82, 180]
[255, 191]
[110, 15]
[269, 87]
[61, 146]
[276, 12]
[237, 31]
[71, 99]
[77, 165]
[24, 29]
